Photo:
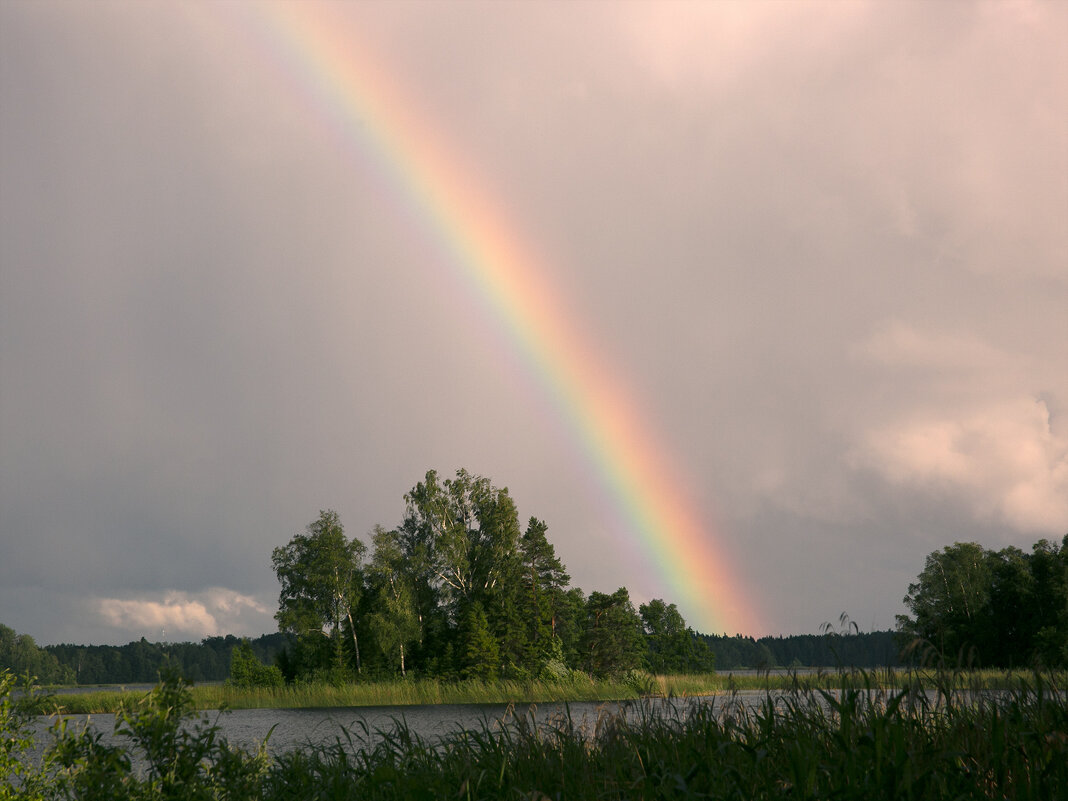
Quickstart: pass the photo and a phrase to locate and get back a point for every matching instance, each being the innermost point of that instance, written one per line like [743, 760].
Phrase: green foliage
[672, 647]
[321, 576]
[184, 757]
[482, 657]
[394, 621]
[456, 591]
[857, 742]
[542, 583]
[141, 662]
[460, 541]
[950, 597]
[979, 607]
[612, 642]
[20, 654]
[19, 777]
[248, 671]
[849, 649]
[459, 546]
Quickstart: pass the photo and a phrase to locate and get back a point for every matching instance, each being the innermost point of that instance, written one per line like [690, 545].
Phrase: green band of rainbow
[327, 61]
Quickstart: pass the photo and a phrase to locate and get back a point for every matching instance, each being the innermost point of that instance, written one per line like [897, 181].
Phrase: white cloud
[897, 344]
[214, 611]
[1004, 461]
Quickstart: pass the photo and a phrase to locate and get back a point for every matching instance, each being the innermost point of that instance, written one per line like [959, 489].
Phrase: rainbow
[324, 59]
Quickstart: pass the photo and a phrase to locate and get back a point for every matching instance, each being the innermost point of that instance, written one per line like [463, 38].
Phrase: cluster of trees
[977, 607]
[459, 589]
[247, 670]
[20, 654]
[672, 649]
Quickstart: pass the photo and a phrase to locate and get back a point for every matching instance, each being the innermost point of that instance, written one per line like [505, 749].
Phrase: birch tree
[320, 572]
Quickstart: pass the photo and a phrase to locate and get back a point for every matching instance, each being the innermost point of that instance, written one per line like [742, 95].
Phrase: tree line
[142, 662]
[212, 659]
[460, 590]
[971, 606]
[831, 649]
[20, 654]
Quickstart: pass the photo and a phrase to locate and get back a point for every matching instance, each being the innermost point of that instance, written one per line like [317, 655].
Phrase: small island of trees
[460, 590]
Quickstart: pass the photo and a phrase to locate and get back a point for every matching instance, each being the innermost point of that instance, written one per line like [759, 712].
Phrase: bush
[185, 757]
[247, 671]
[19, 778]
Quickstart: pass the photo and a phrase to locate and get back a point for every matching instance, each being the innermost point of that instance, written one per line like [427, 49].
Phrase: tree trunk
[403, 673]
[355, 644]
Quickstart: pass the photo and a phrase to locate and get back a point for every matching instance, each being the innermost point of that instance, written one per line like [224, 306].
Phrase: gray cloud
[823, 244]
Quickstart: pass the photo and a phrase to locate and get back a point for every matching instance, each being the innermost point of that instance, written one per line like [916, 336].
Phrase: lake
[316, 728]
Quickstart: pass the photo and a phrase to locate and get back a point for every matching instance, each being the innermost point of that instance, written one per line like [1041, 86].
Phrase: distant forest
[141, 662]
[830, 650]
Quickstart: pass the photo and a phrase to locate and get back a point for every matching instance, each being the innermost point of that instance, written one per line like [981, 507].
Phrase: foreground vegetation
[949, 740]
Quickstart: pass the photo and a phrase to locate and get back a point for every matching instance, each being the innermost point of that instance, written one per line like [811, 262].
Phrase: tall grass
[938, 735]
[378, 693]
[406, 693]
[953, 740]
[577, 687]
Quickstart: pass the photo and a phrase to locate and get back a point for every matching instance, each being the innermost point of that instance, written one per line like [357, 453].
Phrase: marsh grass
[572, 689]
[952, 739]
[408, 693]
[931, 735]
[379, 693]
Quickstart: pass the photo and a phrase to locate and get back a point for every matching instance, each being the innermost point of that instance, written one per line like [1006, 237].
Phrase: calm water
[312, 728]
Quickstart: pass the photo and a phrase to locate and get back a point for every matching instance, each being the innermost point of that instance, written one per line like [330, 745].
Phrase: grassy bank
[577, 688]
[860, 742]
[377, 693]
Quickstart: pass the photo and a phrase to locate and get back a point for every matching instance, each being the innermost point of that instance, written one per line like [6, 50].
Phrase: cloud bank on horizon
[824, 244]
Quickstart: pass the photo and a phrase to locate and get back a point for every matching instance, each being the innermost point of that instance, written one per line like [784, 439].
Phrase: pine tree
[542, 582]
[482, 655]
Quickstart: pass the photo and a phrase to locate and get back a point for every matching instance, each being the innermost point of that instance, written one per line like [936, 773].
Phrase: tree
[663, 627]
[321, 576]
[482, 656]
[394, 620]
[612, 641]
[463, 529]
[1007, 608]
[20, 654]
[1011, 619]
[246, 670]
[948, 601]
[571, 626]
[672, 647]
[542, 582]
[461, 538]
[1049, 571]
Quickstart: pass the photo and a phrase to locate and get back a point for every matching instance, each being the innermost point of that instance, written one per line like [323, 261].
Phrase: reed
[578, 687]
[407, 693]
[93, 703]
[377, 693]
[937, 735]
[857, 742]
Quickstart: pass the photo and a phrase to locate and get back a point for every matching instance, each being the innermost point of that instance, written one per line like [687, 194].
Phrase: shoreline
[578, 689]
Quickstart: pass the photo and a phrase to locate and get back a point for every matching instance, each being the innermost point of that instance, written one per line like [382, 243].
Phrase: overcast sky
[824, 247]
